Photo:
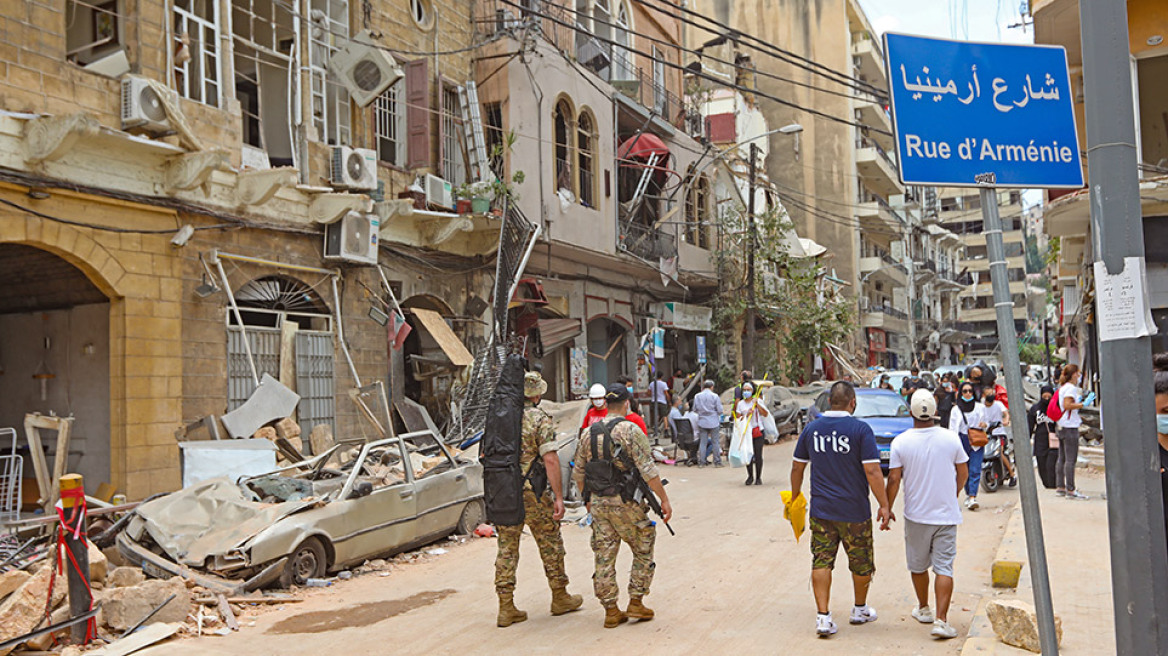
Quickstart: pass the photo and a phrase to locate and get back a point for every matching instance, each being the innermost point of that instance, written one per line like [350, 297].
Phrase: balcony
[647, 243]
[869, 60]
[877, 168]
[872, 113]
[884, 317]
[875, 213]
[876, 263]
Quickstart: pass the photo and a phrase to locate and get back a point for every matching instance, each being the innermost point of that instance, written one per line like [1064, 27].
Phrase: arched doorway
[55, 354]
[290, 331]
[432, 357]
[607, 350]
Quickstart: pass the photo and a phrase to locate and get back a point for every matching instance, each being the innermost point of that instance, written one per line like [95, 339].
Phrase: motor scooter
[993, 470]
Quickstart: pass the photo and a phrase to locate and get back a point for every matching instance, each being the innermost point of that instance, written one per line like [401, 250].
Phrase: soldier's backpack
[501, 445]
[601, 475]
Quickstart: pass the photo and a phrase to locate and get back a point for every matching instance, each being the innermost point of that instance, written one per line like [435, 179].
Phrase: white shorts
[932, 545]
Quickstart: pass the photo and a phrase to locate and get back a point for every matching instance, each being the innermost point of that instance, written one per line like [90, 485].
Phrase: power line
[701, 75]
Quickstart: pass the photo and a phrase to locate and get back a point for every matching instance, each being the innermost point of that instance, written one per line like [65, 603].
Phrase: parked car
[896, 379]
[307, 519]
[885, 412]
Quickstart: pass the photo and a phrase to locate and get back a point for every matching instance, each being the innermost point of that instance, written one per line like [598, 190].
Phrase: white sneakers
[941, 629]
[971, 503]
[923, 615]
[862, 614]
[1075, 494]
[824, 625]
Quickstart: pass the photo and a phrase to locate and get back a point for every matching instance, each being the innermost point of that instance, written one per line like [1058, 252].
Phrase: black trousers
[1046, 458]
[754, 469]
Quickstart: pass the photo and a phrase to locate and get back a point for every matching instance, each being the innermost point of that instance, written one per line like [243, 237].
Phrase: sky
[972, 20]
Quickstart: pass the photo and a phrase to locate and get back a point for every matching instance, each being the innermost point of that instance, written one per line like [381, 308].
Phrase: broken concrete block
[320, 439]
[125, 577]
[11, 581]
[124, 607]
[272, 400]
[1015, 624]
[25, 607]
[266, 433]
[288, 429]
[98, 565]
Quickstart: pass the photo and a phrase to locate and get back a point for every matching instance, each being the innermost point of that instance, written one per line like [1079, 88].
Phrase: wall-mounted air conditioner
[354, 168]
[439, 192]
[365, 69]
[143, 108]
[352, 238]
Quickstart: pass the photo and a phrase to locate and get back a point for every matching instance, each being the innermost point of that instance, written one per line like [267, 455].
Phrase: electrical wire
[102, 228]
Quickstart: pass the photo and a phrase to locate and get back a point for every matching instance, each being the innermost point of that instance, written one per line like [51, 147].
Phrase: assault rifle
[638, 485]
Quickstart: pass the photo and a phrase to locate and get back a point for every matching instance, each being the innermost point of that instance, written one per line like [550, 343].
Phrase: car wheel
[308, 561]
[472, 515]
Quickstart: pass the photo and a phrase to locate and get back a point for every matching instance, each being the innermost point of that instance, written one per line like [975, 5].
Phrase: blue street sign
[963, 111]
[701, 349]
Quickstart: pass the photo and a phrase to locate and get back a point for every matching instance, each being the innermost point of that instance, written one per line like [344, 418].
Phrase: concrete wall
[79, 357]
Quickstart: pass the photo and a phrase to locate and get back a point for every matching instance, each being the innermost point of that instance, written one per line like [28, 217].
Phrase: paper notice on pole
[1121, 301]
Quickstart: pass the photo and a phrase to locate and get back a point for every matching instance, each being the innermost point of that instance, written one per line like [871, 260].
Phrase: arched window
[622, 59]
[586, 157]
[697, 212]
[564, 119]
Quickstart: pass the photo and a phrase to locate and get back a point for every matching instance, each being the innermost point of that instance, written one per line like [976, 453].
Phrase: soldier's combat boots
[562, 602]
[508, 613]
[613, 617]
[638, 611]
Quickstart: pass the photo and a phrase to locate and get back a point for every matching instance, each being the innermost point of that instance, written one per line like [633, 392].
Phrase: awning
[447, 340]
[555, 333]
[641, 146]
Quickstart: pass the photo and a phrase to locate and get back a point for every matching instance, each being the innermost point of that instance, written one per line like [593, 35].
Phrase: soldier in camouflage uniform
[615, 520]
[542, 515]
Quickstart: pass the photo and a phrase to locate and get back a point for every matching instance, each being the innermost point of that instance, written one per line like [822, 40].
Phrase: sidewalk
[1078, 556]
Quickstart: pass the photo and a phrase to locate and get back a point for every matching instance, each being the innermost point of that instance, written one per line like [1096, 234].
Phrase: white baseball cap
[597, 391]
[923, 406]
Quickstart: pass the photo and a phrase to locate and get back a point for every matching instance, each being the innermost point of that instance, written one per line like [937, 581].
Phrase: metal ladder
[472, 125]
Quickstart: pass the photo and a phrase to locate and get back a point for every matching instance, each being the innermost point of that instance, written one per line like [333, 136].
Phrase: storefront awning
[447, 340]
[555, 333]
[641, 146]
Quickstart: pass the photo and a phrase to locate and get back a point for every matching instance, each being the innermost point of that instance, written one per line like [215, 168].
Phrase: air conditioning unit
[365, 69]
[592, 54]
[143, 108]
[439, 192]
[352, 238]
[354, 168]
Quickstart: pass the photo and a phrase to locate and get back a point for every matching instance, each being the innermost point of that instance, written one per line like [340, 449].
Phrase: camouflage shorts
[856, 537]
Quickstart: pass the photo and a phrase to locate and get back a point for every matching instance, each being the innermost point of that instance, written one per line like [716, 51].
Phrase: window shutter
[418, 114]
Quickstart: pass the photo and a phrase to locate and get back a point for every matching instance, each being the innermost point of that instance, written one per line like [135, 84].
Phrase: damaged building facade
[158, 159]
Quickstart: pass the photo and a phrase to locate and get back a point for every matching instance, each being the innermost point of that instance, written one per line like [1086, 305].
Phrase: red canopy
[641, 146]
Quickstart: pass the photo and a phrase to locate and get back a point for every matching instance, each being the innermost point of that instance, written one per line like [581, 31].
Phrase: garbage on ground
[485, 531]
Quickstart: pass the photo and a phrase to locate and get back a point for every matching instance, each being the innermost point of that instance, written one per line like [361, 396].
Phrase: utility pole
[912, 291]
[1024, 450]
[1046, 347]
[748, 348]
[1139, 570]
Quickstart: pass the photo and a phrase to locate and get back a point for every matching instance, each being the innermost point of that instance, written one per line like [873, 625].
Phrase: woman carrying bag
[968, 421]
[749, 425]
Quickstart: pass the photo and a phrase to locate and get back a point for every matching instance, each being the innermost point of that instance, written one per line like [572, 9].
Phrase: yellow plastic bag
[795, 511]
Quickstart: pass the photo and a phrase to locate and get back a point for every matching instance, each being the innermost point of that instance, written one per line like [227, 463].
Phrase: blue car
[883, 410]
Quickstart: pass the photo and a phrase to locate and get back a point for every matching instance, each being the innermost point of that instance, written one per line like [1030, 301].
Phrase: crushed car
[310, 518]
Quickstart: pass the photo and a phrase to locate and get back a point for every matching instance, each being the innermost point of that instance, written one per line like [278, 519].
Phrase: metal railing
[867, 142]
[884, 308]
[646, 242]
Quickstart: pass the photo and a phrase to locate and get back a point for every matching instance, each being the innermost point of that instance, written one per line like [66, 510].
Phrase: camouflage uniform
[538, 438]
[615, 520]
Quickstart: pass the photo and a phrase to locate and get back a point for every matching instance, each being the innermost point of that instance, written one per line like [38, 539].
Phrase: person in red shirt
[597, 408]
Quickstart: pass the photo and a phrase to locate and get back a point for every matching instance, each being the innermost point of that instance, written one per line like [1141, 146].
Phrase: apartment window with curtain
[697, 213]
[389, 126]
[196, 48]
[562, 119]
[453, 151]
[659, 96]
[586, 156]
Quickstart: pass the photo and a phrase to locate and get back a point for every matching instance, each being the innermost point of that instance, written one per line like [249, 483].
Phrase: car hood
[887, 428]
[209, 518]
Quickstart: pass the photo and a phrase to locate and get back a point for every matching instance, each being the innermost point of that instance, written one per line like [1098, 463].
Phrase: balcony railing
[646, 242]
[884, 308]
[867, 142]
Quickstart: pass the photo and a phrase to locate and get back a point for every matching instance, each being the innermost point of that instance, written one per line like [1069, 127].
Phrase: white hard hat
[923, 406]
[597, 391]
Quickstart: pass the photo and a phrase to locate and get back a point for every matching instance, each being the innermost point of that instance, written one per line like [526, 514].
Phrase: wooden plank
[37, 452]
[288, 356]
[140, 640]
[61, 457]
[211, 601]
[228, 616]
[447, 340]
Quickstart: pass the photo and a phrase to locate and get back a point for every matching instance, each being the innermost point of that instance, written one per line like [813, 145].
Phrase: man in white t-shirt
[661, 398]
[932, 463]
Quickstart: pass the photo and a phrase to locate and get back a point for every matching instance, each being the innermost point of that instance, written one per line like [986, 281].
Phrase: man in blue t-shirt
[845, 463]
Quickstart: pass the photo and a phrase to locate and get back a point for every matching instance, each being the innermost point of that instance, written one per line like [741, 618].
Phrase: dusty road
[733, 581]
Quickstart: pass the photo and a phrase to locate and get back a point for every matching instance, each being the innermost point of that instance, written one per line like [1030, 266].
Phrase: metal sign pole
[1024, 453]
[1139, 569]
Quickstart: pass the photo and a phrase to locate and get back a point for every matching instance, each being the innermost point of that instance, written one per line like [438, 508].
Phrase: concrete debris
[321, 438]
[288, 429]
[11, 580]
[272, 400]
[98, 565]
[124, 607]
[1015, 624]
[125, 577]
[266, 433]
[139, 640]
[25, 607]
[345, 575]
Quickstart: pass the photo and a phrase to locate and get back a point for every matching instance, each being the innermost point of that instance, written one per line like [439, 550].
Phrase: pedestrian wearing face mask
[752, 410]
[1160, 382]
[969, 414]
[708, 407]
[597, 406]
[996, 413]
[1070, 397]
[945, 394]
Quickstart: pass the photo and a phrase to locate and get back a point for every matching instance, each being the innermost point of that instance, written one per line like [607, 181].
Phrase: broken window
[493, 136]
[93, 31]
[196, 50]
[660, 99]
[697, 213]
[586, 156]
[453, 152]
[265, 37]
[287, 324]
[331, 110]
[389, 124]
[562, 119]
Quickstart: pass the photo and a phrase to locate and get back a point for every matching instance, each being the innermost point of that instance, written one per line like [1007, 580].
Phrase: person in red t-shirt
[597, 408]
